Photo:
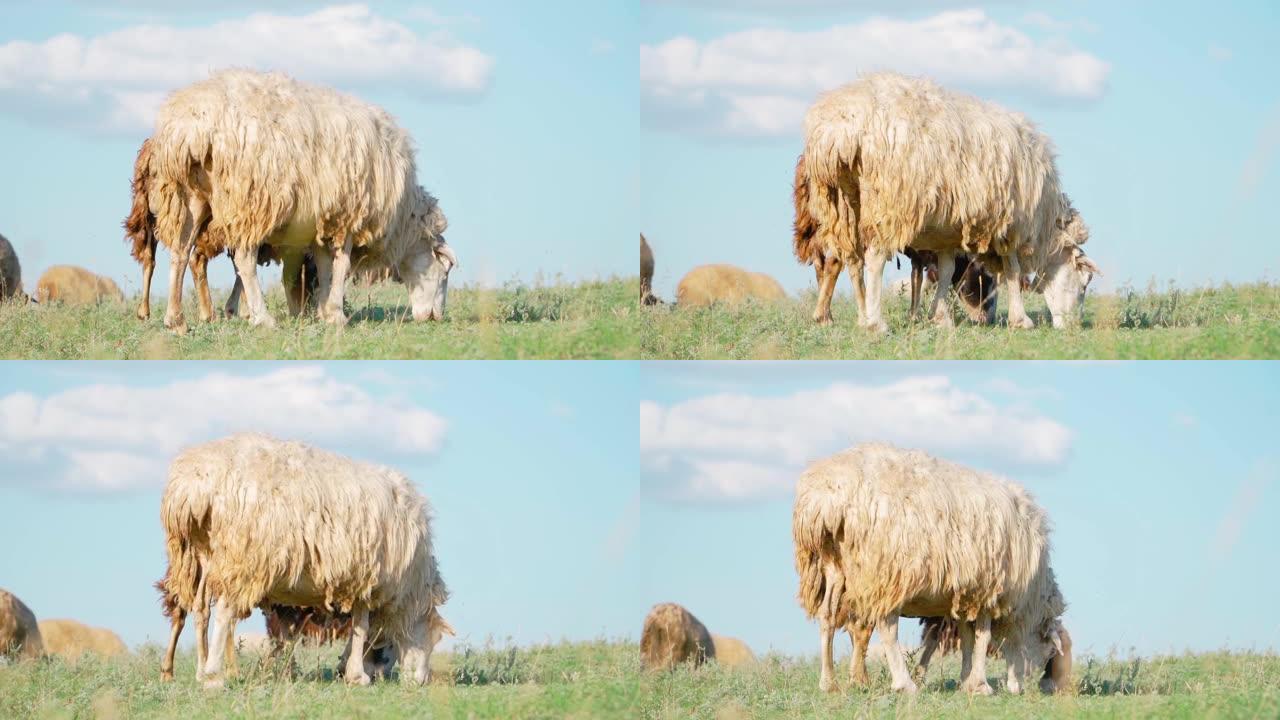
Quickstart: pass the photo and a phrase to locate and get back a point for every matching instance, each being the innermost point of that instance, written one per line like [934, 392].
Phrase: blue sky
[530, 467]
[523, 113]
[1166, 118]
[1161, 480]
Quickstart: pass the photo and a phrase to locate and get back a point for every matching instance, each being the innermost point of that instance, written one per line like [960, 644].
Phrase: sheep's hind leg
[247, 269]
[888, 627]
[224, 625]
[828, 271]
[175, 630]
[331, 308]
[148, 269]
[827, 676]
[200, 277]
[976, 681]
[178, 256]
[354, 672]
[929, 647]
[291, 278]
[873, 290]
[859, 287]
[860, 634]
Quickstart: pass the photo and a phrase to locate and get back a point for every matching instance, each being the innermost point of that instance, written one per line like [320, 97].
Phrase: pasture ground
[603, 679]
[558, 320]
[1226, 322]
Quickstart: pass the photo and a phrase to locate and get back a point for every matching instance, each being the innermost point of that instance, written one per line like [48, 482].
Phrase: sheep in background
[76, 286]
[19, 631]
[974, 285]
[942, 636]
[882, 533]
[259, 521]
[10, 273]
[299, 277]
[646, 274]
[708, 284]
[731, 652]
[70, 639]
[893, 162]
[671, 636]
[339, 175]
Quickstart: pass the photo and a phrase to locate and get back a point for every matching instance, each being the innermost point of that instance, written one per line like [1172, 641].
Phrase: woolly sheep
[335, 174]
[10, 273]
[19, 632]
[731, 652]
[70, 639]
[76, 286]
[250, 521]
[708, 284]
[893, 162]
[646, 273]
[671, 636]
[942, 635]
[882, 533]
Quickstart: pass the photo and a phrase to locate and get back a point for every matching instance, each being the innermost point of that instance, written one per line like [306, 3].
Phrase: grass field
[1226, 322]
[583, 320]
[604, 680]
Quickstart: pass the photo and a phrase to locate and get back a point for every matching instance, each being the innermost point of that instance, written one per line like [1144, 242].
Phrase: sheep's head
[1068, 271]
[1057, 667]
[417, 660]
[425, 269]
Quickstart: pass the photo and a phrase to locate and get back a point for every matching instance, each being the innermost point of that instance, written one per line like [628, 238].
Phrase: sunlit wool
[274, 522]
[19, 632]
[646, 273]
[896, 162]
[76, 286]
[671, 636]
[881, 532]
[70, 639]
[279, 162]
[732, 652]
[708, 284]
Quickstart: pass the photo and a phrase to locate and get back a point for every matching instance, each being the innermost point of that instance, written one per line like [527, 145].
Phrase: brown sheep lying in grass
[10, 273]
[19, 632]
[732, 652]
[69, 640]
[671, 636]
[708, 284]
[76, 286]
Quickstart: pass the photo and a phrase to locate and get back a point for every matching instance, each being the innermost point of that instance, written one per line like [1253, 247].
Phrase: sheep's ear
[445, 254]
[1083, 262]
[446, 627]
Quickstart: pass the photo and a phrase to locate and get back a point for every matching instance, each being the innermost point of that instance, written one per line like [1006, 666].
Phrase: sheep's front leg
[917, 280]
[888, 628]
[873, 289]
[860, 635]
[224, 626]
[1013, 284]
[976, 681]
[1017, 667]
[930, 646]
[232, 308]
[940, 311]
[175, 630]
[291, 278]
[247, 269]
[354, 672]
[332, 309]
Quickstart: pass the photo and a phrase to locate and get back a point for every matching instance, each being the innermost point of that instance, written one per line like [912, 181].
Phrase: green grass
[603, 680]
[582, 320]
[1216, 323]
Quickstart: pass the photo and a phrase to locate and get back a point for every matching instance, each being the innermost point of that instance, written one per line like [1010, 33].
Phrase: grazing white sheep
[671, 636]
[254, 521]
[882, 533]
[267, 160]
[892, 162]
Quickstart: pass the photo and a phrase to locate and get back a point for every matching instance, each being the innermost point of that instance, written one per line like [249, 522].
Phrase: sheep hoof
[1023, 323]
[265, 321]
[213, 684]
[827, 685]
[144, 314]
[361, 679]
[981, 688]
[337, 318]
[907, 687]
[878, 327]
[166, 676]
[944, 321]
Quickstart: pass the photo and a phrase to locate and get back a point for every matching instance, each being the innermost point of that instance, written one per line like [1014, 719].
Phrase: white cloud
[733, 447]
[1047, 22]
[791, 7]
[758, 82]
[1217, 53]
[116, 437]
[114, 82]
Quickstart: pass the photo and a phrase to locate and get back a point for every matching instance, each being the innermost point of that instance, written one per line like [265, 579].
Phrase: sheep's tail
[805, 226]
[139, 227]
[185, 513]
[815, 526]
